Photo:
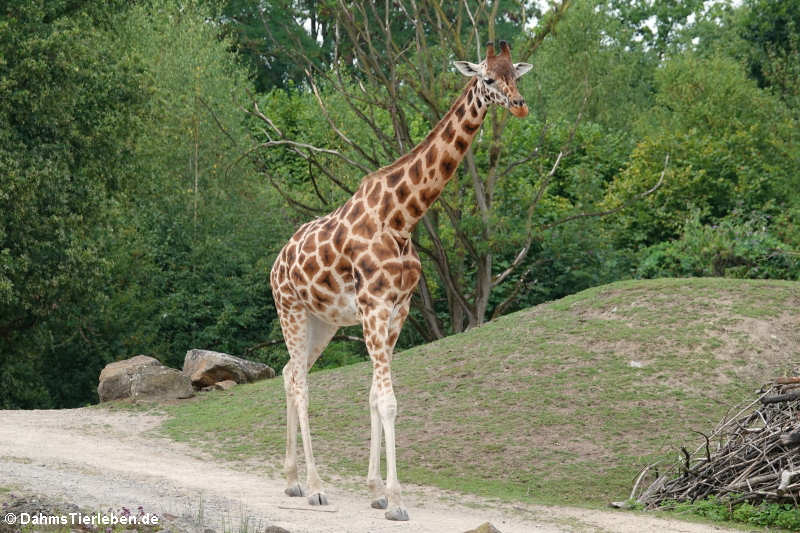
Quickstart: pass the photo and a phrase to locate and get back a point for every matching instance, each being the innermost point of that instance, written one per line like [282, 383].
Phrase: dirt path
[100, 459]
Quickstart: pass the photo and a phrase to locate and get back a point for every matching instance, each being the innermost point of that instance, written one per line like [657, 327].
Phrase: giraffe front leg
[293, 487]
[382, 324]
[377, 491]
[387, 408]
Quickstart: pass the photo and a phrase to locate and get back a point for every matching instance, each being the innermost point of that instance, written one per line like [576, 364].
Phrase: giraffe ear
[468, 69]
[522, 68]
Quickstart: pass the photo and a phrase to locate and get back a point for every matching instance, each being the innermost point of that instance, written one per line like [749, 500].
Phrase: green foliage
[66, 122]
[192, 263]
[656, 25]
[784, 516]
[731, 146]
[123, 209]
[772, 28]
[263, 32]
[131, 223]
[737, 247]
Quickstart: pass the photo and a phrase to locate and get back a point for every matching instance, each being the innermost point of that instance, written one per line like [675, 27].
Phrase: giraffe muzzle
[519, 108]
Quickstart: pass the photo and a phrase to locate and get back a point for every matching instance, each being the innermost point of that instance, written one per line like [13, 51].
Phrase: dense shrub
[784, 516]
[736, 247]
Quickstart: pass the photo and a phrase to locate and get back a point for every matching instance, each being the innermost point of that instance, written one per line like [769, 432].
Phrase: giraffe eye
[489, 81]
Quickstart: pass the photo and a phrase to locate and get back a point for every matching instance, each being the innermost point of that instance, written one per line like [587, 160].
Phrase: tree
[732, 146]
[192, 259]
[122, 206]
[66, 122]
[261, 30]
[377, 100]
[772, 28]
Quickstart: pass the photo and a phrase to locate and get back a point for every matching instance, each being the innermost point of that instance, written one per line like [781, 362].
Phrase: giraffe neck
[418, 177]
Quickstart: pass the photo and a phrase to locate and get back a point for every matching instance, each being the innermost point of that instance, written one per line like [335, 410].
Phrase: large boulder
[160, 383]
[142, 378]
[205, 368]
[115, 378]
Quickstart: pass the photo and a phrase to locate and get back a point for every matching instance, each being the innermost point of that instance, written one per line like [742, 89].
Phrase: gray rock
[115, 378]
[160, 383]
[206, 368]
[276, 529]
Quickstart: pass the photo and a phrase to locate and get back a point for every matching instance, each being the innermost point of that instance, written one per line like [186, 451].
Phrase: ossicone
[505, 50]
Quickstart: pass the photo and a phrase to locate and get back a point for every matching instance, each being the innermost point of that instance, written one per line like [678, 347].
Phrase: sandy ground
[101, 459]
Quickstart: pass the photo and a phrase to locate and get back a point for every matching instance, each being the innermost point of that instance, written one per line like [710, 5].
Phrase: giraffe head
[497, 78]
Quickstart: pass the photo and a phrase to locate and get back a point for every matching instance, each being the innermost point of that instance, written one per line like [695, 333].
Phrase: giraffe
[357, 265]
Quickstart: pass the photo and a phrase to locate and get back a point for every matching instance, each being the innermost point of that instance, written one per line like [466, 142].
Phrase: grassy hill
[559, 403]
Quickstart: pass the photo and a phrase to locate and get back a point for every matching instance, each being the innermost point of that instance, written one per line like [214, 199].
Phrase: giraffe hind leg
[306, 338]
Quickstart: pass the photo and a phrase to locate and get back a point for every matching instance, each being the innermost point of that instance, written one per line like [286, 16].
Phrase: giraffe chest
[334, 277]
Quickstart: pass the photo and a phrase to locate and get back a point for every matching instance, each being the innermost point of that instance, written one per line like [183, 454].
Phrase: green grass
[541, 405]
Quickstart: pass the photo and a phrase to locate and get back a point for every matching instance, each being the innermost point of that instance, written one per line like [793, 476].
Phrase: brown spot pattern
[366, 227]
[470, 127]
[414, 209]
[339, 237]
[374, 195]
[386, 206]
[447, 165]
[394, 178]
[402, 192]
[397, 221]
[430, 156]
[310, 267]
[326, 280]
[327, 255]
[461, 144]
[415, 172]
[355, 211]
[367, 266]
[448, 133]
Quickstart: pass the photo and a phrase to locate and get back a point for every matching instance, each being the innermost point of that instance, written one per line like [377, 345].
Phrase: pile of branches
[752, 456]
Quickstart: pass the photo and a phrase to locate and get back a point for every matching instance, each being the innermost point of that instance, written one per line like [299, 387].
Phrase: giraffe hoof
[318, 498]
[294, 491]
[399, 514]
[380, 503]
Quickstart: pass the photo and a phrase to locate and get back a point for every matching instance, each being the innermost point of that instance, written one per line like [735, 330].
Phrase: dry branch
[754, 460]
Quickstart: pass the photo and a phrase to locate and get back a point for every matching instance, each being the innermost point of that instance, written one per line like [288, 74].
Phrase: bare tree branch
[382, 81]
[333, 126]
[502, 306]
[523, 253]
[617, 209]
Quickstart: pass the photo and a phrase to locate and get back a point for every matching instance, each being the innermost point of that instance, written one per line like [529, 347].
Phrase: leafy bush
[767, 514]
[731, 146]
[736, 248]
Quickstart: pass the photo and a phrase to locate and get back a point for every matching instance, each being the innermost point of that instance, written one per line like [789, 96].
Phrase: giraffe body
[358, 265]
